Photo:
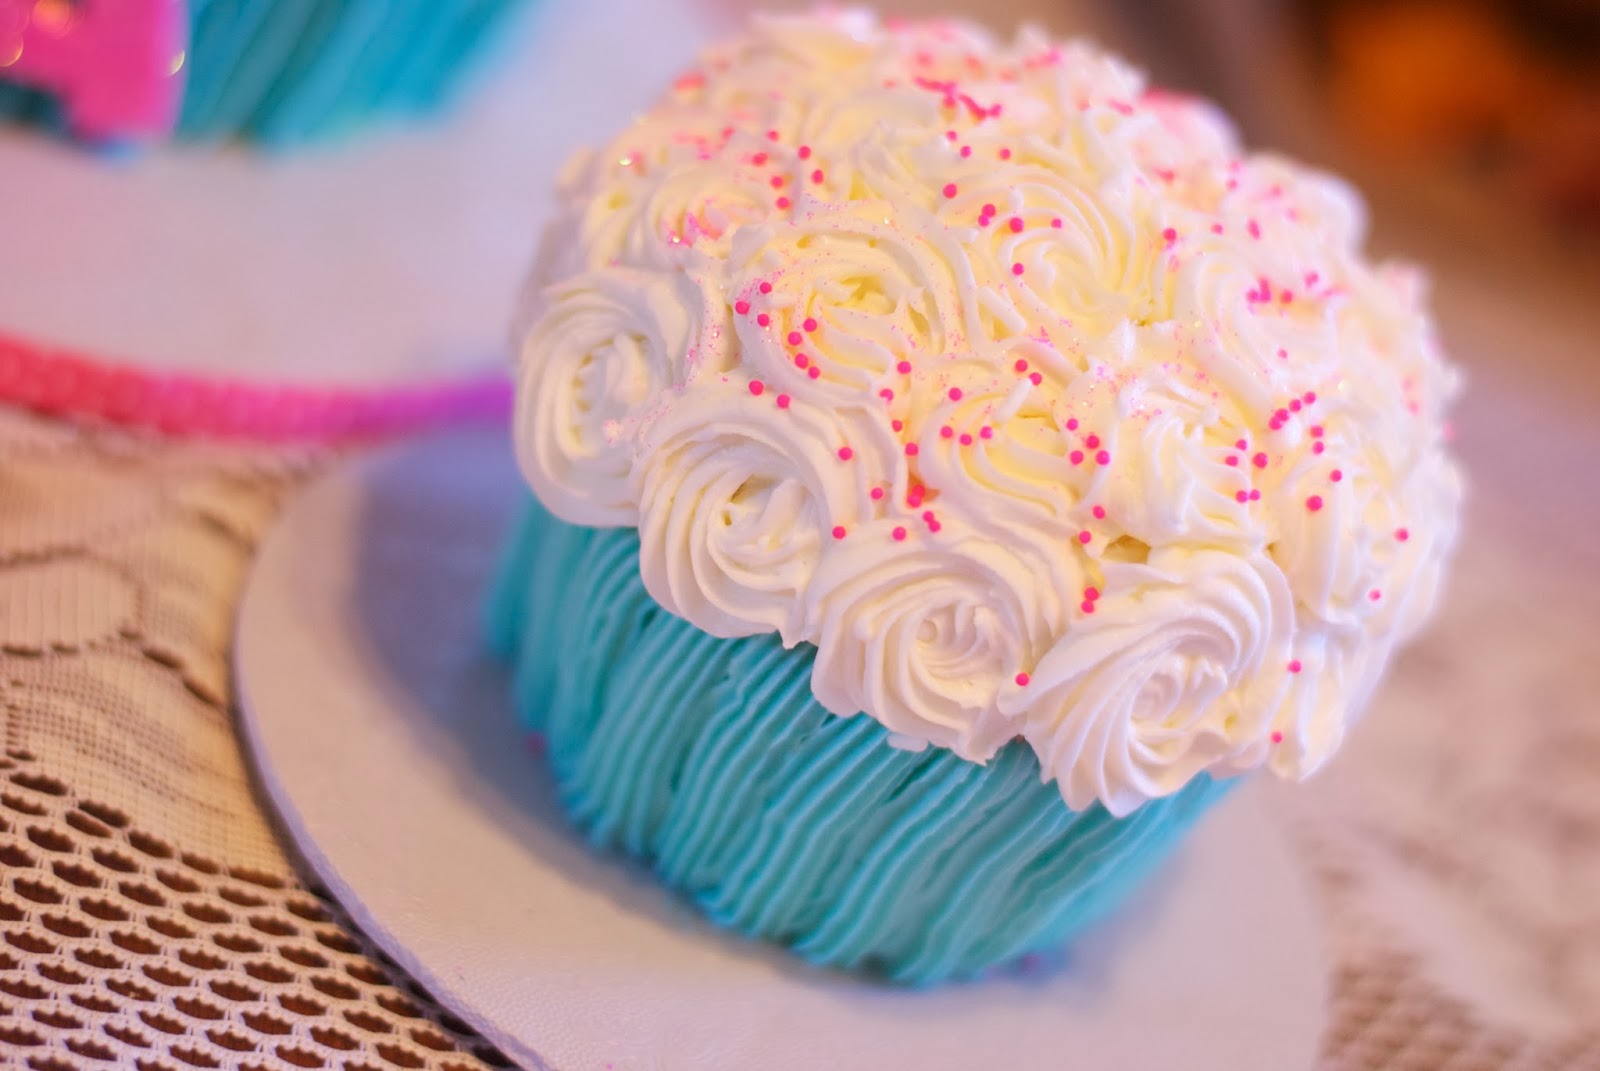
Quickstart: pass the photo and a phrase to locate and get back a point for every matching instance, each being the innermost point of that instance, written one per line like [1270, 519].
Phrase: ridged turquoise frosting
[283, 72]
[710, 760]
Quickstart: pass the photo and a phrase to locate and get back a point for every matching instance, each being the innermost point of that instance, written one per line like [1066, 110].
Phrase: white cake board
[383, 735]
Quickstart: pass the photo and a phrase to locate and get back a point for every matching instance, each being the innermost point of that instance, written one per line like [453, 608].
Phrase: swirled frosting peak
[1016, 387]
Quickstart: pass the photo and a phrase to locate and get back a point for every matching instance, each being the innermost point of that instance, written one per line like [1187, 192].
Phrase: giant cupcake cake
[955, 465]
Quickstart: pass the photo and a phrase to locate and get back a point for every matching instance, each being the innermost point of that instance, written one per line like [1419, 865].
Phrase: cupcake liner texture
[710, 760]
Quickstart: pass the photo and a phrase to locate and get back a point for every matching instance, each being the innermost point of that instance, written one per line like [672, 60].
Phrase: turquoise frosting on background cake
[710, 760]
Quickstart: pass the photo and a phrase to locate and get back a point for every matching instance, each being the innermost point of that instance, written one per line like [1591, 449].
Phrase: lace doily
[151, 918]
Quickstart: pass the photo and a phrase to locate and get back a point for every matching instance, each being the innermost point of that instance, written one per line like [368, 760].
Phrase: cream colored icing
[1020, 390]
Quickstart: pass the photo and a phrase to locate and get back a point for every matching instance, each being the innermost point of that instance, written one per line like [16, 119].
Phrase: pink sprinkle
[801, 360]
[1317, 448]
[765, 287]
[1103, 457]
[1072, 423]
[1076, 457]
[795, 338]
[782, 202]
[1056, 223]
[1286, 296]
[886, 394]
[947, 432]
[777, 182]
[949, 135]
[904, 368]
[759, 158]
[1242, 444]
[1022, 680]
[805, 152]
[1294, 666]
[986, 432]
[1374, 594]
[1086, 606]
[838, 531]
[741, 307]
[1233, 459]
[1005, 154]
[1401, 534]
[911, 449]
[1336, 475]
[756, 387]
[1255, 495]
[1277, 737]
[1316, 431]
[764, 320]
[986, 210]
[1099, 513]
[772, 135]
[955, 394]
[1294, 405]
[983, 221]
[1281, 414]
[1241, 497]
[1274, 424]
[1084, 536]
[1283, 354]
[1314, 503]
[814, 372]
[1016, 269]
[927, 515]
[1091, 593]
[1260, 460]
[877, 494]
[897, 424]
[1016, 224]
[1092, 441]
[845, 453]
[783, 401]
[899, 534]
[810, 324]
[966, 151]
[1021, 365]
[1170, 234]
[816, 176]
[1254, 228]
[1216, 228]
[1310, 396]
[1035, 378]
[949, 189]
[966, 440]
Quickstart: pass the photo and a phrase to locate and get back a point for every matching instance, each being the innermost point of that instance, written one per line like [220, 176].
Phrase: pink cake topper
[115, 65]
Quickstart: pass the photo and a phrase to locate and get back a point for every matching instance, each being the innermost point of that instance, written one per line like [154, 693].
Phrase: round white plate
[383, 735]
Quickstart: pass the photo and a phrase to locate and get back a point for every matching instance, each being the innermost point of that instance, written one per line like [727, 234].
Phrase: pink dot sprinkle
[1254, 228]
[805, 152]
[756, 387]
[1277, 737]
[765, 287]
[795, 338]
[1286, 296]
[838, 531]
[1035, 378]
[759, 158]
[1242, 444]
[1336, 475]
[1216, 228]
[1316, 431]
[782, 202]
[1016, 269]
[1401, 534]
[1259, 460]
[845, 453]
[987, 210]
[1005, 154]
[1056, 223]
[1076, 457]
[816, 176]
[741, 307]
[764, 320]
[886, 394]
[1255, 495]
[1314, 503]
[1317, 448]
[955, 394]
[1022, 680]
[772, 135]
[1103, 458]
[783, 401]
[1241, 496]
[966, 151]
[810, 324]
[801, 360]
[1072, 423]
[1015, 224]
[877, 494]
[1099, 513]
[1274, 424]
[965, 440]
[986, 432]
[814, 372]
[899, 533]
[983, 221]
[1233, 459]
[1374, 594]
[1170, 234]
[1294, 405]
[897, 424]
[1294, 666]
[951, 135]
[1283, 354]
[1092, 441]
[1310, 396]
[1021, 365]
[949, 189]
[1281, 415]
[1086, 606]
[927, 515]
[777, 182]
[1091, 593]
[904, 368]
[1084, 536]
[947, 432]
[911, 449]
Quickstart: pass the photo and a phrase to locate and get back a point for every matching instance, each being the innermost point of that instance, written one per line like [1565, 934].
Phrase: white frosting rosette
[1020, 391]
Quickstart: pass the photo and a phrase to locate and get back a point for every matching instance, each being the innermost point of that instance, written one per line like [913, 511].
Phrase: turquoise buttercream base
[710, 760]
[286, 72]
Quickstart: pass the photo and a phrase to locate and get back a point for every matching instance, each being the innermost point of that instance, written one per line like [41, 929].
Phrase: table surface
[151, 916]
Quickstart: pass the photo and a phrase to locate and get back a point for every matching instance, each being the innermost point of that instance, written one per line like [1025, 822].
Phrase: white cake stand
[383, 735]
